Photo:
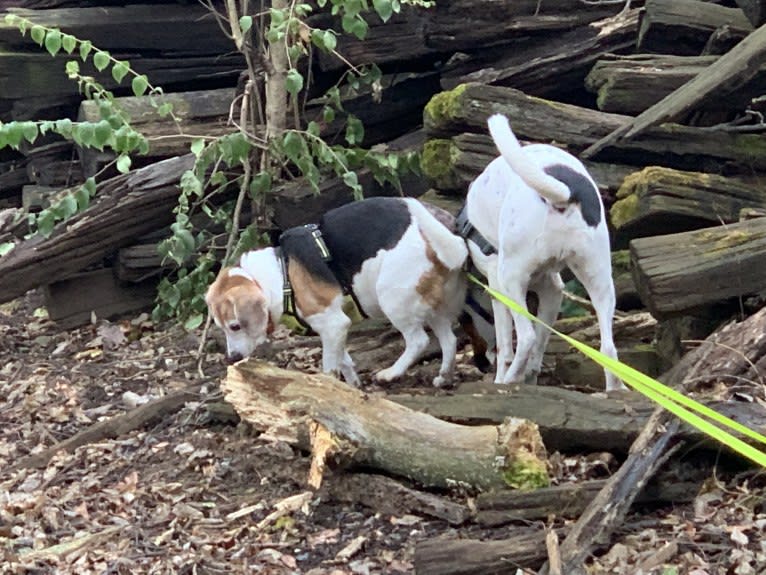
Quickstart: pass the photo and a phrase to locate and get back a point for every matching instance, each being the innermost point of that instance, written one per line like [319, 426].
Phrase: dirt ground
[194, 495]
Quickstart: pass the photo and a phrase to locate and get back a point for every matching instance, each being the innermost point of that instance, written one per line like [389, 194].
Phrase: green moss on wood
[526, 474]
[624, 211]
[443, 107]
[620, 262]
[436, 162]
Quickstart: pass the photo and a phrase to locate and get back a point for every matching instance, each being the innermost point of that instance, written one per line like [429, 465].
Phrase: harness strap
[466, 230]
[288, 296]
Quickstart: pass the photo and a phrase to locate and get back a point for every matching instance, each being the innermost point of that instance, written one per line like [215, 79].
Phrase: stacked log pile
[662, 99]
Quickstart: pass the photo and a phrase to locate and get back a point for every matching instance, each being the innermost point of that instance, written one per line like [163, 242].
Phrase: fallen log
[682, 27]
[570, 421]
[552, 67]
[377, 433]
[657, 201]
[494, 509]
[653, 446]
[467, 107]
[755, 10]
[630, 84]
[677, 273]
[126, 207]
[727, 74]
[388, 496]
[452, 164]
[440, 556]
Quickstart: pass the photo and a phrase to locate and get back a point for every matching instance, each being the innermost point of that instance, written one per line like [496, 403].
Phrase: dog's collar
[466, 230]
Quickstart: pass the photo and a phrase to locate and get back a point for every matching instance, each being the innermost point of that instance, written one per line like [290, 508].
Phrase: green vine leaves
[113, 130]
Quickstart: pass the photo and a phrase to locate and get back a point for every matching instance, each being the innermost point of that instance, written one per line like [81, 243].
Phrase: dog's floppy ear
[252, 311]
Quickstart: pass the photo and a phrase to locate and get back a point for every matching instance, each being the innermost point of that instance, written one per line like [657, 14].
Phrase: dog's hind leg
[525, 334]
[442, 328]
[549, 294]
[598, 284]
[415, 343]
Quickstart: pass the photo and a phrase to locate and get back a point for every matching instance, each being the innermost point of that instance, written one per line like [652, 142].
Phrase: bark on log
[416, 36]
[375, 432]
[388, 496]
[552, 67]
[755, 10]
[571, 421]
[727, 74]
[495, 509]
[127, 207]
[452, 164]
[466, 109]
[440, 556]
[683, 27]
[657, 201]
[677, 273]
[630, 84]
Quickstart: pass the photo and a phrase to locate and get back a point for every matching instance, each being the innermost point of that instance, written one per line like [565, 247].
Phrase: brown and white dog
[390, 254]
[537, 210]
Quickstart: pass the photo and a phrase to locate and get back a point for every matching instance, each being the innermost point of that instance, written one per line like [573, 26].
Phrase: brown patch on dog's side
[431, 284]
[312, 295]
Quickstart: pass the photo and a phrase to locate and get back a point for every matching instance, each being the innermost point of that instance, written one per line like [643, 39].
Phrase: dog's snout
[234, 357]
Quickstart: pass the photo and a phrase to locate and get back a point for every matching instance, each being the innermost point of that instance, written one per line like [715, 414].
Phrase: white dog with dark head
[391, 254]
[541, 211]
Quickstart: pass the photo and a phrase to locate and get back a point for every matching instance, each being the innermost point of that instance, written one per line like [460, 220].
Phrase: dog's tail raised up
[547, 186]
[450, 249]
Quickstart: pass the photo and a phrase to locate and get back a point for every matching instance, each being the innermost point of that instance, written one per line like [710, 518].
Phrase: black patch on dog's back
[357, 231]
[582, 191]
[298, 244]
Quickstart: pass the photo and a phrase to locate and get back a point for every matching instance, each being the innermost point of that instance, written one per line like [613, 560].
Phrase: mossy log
[630, 84]
[683, 27]
[467, 107]
[677, 273]
[452, 164]
[657, 201]
[377, 433]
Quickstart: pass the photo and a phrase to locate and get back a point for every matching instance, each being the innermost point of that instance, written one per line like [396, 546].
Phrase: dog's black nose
[234, 357]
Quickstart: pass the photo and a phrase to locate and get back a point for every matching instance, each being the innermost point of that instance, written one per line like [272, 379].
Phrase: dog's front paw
[387, 375]
[442, 380]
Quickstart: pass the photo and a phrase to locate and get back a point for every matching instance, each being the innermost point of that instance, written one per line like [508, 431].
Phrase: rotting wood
[390, 497]
[652, 447]
[569, 421]
[569, 500]
[630, 84]
[551, 67]
[755, 10]
[657, 201]
[677, 273]
[730, 71]
[442, 556]
[377, 433]
[464, 111]
[141, 416]
[127, 207]
[683, 27]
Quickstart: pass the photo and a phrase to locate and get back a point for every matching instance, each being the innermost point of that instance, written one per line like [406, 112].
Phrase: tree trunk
[378, 433]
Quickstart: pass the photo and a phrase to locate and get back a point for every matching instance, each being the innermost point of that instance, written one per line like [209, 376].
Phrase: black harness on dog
[288, 295]
[466, 230]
